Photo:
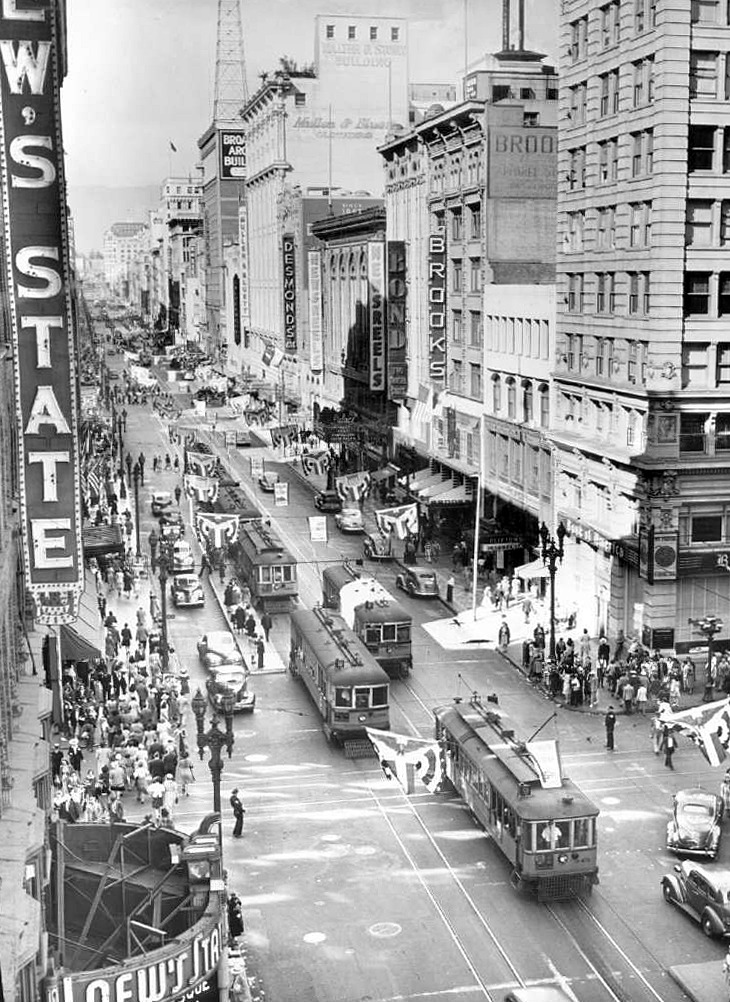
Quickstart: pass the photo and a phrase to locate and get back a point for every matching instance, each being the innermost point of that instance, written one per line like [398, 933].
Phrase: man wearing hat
[238, 812]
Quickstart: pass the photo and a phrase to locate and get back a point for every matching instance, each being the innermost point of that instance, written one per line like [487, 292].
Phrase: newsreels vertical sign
[38, 275]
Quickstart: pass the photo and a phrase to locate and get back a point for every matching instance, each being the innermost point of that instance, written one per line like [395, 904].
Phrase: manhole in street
[385, 930]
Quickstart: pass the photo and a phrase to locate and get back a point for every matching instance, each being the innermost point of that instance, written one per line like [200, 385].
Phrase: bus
[379, 620]
[539, 820]
[347, 685]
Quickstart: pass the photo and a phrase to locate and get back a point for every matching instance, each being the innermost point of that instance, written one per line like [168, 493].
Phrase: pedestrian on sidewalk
[204, 565]
[176, 464]
[140, 462]
[239, 618]
[260, 652]
[238, 811]
[610, 725]
[504, 636]
[450, 589]
[267, 623]
[178, 494]
[527, 607]
[222, 570]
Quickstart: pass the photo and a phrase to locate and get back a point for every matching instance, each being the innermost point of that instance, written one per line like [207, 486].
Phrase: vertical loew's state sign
[38, 279]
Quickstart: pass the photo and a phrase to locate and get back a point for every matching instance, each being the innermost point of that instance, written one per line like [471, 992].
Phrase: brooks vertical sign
[437, 309]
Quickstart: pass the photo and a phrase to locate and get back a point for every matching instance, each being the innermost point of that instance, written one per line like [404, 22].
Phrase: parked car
[702, 894]
[377, 547]
[172, 517]
[170, 531]
[230, 679]
[268, 481]
[695, 828]
[418, 581]
[219, 648]
[161, 501]
[328, 501]
[183, 561]
[187, 591]
[350, 520]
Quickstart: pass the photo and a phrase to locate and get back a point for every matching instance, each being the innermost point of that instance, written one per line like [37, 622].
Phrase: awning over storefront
[431, 486]
[385, 474]
[100, 539]
[421, 479]
[530, 572]
[432, 491]
[80, 641]
[454, 495]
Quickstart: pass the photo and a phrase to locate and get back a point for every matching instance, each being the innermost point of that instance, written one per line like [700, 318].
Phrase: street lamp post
[135, 473]
[214, 739]
[552, 554]
[708, 627]
[163, 565]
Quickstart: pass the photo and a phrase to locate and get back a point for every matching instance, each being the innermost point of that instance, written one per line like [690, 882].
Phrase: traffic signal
[235, 917]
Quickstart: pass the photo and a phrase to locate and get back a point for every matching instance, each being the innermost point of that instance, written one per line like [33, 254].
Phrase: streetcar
[539, 820]
[380, 621]
[346, 683]
[269, 569]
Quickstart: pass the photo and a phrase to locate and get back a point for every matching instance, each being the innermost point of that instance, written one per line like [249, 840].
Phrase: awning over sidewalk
[454, 496]
[433, 491]
[530, 572]
[385, 474]
[431, 486]
[80, 642]
[100, 539]
[421, 479]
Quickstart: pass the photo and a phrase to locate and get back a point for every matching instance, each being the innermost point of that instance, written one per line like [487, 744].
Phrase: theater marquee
[38, 276]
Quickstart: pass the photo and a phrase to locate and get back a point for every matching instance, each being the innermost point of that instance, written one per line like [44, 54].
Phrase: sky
[142, 72]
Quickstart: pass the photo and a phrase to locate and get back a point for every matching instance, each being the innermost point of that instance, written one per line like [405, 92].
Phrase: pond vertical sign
[39, 280]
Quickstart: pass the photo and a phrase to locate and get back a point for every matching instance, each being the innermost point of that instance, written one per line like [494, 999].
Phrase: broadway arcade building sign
[37, 267]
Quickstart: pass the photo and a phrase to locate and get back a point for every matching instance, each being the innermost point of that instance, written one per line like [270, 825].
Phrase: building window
[511, 398]
[457, 326]
[608, 161]
[610, 23]
[528, 404]
[692, 432]
[330, 31]
[300, 100]
[632, 426]
[395, 34]
[723, 364]
[696, 293]
[456, 227]
[606, 227]
[694, 365]
[496, 394]
[544, 395]
[706, 529]
[705, 11]
[722, 433]
[351, 32]
[577, 113]
[373, 34]
[458, 276]
[577, 173]
[638, 84]
[640, 18]
[475, 330]
[475, 381]
[475, 215]
[578, 39]
[457, 376]
[646, 279]
[530, 119]
[723, 294]
[475, 274]
[604, 292]
[703, 74]
[575, 293]
[701, 147]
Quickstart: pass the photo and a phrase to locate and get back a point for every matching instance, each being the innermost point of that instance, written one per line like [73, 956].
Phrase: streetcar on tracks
[347, 685]
[379, 620]
[539, 820]
[270, 570]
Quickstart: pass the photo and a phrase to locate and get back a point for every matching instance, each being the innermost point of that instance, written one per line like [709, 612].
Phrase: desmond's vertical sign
[376, 312]
[290, 293]
[437, 309]
[37, 268]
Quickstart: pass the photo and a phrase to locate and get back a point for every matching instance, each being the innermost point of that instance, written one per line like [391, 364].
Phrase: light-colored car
[695, 828]
[161, 500]
[268, 482]
[187, 591]
[219, 648]
[183, 561]
[418, 581]
[350, 520]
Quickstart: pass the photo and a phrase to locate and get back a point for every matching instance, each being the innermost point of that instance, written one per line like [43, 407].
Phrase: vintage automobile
[170, 531]
[695, 828]
[328, 501]
[268, 481]
[172, 517]
[231, 679]
[183, 560]
[219, 648]
[702, 894]
[376, 546]
[161, 501]
[187, 591]
[350, 520]
[418, 581]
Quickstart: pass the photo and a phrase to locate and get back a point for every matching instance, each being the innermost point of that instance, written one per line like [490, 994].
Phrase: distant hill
[94, 209]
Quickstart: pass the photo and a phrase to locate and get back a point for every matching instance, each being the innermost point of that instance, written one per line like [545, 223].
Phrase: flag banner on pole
[403, 520]
[315, 463]
[707, 726]
[203, 464]
[318, 528]
[407, 758]
[281, 494]
[201, 488]
[353, 486]
[216, 529]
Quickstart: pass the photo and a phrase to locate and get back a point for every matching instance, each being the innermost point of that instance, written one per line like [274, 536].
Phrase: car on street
[268, 482]
[377, 547]
[219, 648]
[187, 591]
[328, 501]
[173, 516]
[350, 520]
[161, 501]
[183, 560]
[233, 680]
[701, 893]
[695, 828]
[112, 374]
[170, 531]
[417, 581]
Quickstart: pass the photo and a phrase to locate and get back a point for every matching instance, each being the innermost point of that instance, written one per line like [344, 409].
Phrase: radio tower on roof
[231, 92]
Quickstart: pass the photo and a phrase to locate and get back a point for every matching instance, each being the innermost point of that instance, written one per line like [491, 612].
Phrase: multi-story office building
[642, 416]
[124, 245]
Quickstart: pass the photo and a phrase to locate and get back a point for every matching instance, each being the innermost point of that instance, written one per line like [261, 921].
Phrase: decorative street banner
[314, 265]
[284, 435]
[437, 309]
[38, 278]
[290, 293]
[315, 463]
[396, 309]
[403, 520]
[203, 464]
[201, 488]
[353, 486]
[707, 726]
[216, 529]
[318, 528]
[232, 146]
[281, 494]
[376, 272]
[404, 758]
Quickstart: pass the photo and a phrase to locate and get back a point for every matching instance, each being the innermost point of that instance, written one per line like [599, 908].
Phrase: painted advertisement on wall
[523, 163]
[437, 309]
[232, 147]
[38, 278]
[290, 292]
[376, 313]
[396, 311]
[314, 271]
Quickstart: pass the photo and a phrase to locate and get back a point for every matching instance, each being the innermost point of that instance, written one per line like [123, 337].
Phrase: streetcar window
[277, 574]
[288, 572]
[403, 633]
[362, 698]
[389, 631]
[380, 695]
[343, 696]
[553, 835]
[582, 833]
[265, 574]
[372, 635]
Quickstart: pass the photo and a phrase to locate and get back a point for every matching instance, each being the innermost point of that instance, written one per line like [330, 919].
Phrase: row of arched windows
[518, 401]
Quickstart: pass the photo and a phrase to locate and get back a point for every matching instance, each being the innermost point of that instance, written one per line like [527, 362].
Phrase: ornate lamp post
[136, 473]
[552, 552]
[164, 567]
[214, 739]
[708, 627]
